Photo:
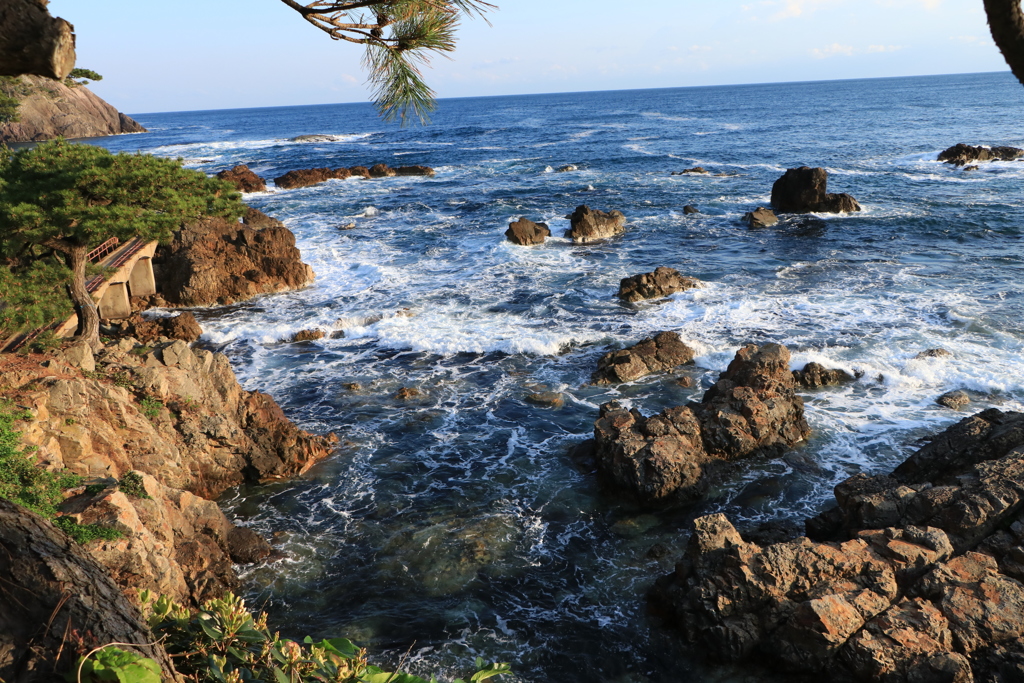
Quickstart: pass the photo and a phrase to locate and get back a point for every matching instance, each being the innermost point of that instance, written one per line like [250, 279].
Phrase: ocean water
[455, 523]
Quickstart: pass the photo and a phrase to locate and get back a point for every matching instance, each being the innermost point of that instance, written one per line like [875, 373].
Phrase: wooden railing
[99, 252]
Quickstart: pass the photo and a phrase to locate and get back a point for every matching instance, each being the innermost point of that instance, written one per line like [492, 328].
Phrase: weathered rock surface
[243, 179]
[414, 170]
[954, 400]
[760, 218]
[34, 42]
[590, 225]
[816, 375]
[198, 434]
[381, 171]
[51, 109]
[217, 261]
[690, 209]
[663, 352]
[304, 177]
[805, 190]
[656, 285]
[182, 326]
[525, 232]
[669, 457]
[961, 154]
[53, 588]
[914, 576]
[696, 170]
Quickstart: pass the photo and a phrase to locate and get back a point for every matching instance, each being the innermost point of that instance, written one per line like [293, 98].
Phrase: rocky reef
[50, 109]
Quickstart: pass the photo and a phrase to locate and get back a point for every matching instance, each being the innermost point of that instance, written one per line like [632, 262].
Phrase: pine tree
[69, 198]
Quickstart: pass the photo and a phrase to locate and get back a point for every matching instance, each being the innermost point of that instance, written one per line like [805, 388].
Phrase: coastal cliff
[49, 109]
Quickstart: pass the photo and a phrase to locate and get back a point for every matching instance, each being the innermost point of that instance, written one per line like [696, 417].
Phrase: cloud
[873, 49]
[833, 50]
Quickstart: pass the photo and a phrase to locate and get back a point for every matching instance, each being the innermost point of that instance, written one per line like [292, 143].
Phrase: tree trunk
[88, 313]
[33, 42]
[1006, 22]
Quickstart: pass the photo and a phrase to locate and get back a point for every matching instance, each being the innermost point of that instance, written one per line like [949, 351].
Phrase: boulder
[760, 218]
[658, 284]
[961, 154]
[669, 457]
[804, 190]
[526, 233]
[914, 576]
[414, 170]
[308, 335]
[954, 400]
[183, 326]
[663, 352]
[696, 170]
[568, 168]
[548, 399]
[258, 220]
[590, 225]
[243, 179]
[359, 171]
[305, 177]
[218, 261]
[690, 209]
[381, 171]
[933, 353]
[816, 375]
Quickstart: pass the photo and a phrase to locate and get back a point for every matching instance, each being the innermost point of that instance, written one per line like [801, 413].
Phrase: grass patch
[151, 407]
[131, 485]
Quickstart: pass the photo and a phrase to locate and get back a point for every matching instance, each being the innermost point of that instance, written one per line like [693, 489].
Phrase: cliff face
[180, 419]
[52, 109]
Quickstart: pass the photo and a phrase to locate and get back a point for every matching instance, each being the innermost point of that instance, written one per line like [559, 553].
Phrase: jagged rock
[696, 170]
[662, 353]
[760, 218]
[933, 353]
[182, 326]
[258, 220]
[243, 179]
[525, 232]
[590, 225]
[548, 399]
[381, 171]
[568, 168]
[51, 109]
[216, 261]
[961, 154]
[34, 42]
[690, 209]
[304, 177]
[246, 546]
[308, 335]
[804, 190]
[79, 356]
[360, 171]
[954, 400]
[752, 409]
[414, 170]
[815, 375]
[659, 284]
[51, 588]
[915, 576]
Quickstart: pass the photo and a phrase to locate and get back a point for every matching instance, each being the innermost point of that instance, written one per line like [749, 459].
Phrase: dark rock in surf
[696, 170]
[954, 400]
[804, 190]
[669, 457]
[245, 546]
[359, 171]
[305, 177]
[933, 353]
[663, 352]
[815, 376]
[760, 218]
[525, 232]
[381, 171]
[690, 209]
[659, 284]
[590, 225]
[243, 179]
[414, 170]
[961, 154]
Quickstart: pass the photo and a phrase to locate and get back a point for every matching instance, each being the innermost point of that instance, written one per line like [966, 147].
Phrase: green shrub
[21, 480]
[113, 664]
[151, 407]
[131, 485]
[224, 643]
[84, 533]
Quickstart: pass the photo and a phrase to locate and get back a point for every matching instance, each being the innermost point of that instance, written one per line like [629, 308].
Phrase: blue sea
[455, 523]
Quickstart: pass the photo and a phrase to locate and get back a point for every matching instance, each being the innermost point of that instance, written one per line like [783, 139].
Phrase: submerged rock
[760, 218]
[525, 232]
[663, 352]
[549, 399]
[961, 154]
[590, 225]
[815, 375]
[690, 209]
[914, 576]
[933, 353]
[804, 190]
[243, 179]
[696, 170]
[752, 409]
[304, 177]
[656, 285]
[567, 168]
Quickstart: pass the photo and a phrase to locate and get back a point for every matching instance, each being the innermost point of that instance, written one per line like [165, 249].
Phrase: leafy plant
[131, 485]
[81, 77]
[224, 643]
[151, 407]
[141, 350]
[21, 480]
[109, 663]
[84, 533]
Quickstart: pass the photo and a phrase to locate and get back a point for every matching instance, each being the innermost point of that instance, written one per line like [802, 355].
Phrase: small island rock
[760, 218]
[590, 225]
[243, 179]
[961, 154]
[805, 190]
[663, 352]
[659, 284]
[525, 232]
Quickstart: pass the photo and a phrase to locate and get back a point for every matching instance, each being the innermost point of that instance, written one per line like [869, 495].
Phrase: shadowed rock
[525, 232]
[659, 284]
[590, 225]
[954, 400]
[243, 179]
[662, 353]
[304, 177]
[804, 190]
[815, 376]
[761, 218]
[961, 154]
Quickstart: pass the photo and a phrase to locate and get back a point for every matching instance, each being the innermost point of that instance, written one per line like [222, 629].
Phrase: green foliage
[62, 195]
[81, 77]
[33, 294]
[47, 341]
[151, 407]
[113, 664]
[131, 485]
[21, 480]
[84, 533]
[224, 643]
[12, 91]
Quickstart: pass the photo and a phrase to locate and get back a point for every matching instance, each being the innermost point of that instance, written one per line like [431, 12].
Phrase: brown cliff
[51, 109]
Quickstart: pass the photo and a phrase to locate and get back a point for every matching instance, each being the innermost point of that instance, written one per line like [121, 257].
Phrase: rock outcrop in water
[243, 179]
[179, 419]
[218, 261]
[591, 225]
[669, 457]
[663, 352]
[914, 576]
[656, 285]
[805, 190]
[50, 109]
[760, 218]
[816, 375]
[313, 176]
[526, 233]
[961, 154]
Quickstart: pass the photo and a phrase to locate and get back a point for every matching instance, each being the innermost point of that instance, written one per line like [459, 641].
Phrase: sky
[220, 54]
